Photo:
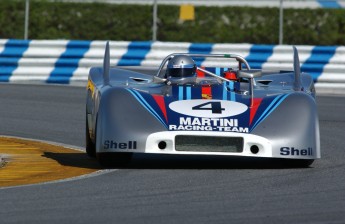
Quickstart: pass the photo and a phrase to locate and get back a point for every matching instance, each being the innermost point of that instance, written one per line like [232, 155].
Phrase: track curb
[26, 162]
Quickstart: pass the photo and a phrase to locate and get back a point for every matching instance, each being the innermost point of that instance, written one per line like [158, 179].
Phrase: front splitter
[31, 162]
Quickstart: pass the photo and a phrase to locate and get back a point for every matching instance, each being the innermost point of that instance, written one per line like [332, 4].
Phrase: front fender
[124, 123]
[293, 128]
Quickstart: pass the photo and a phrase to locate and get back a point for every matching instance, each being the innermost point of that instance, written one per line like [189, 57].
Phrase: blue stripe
[232, 93]
[267, 110]
[135, 54]
[189, 92]
[319, 57]
[200, 49]
[68, 61]
[258, 55]
[270, 109]
[329, 4]
[10, 56]
[217, 71]
[180, 93]
[146, 105]
[225, 91]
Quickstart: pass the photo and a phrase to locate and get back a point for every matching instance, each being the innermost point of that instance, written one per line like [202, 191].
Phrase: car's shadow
[145, 161]
[157, 161]
[80, 160]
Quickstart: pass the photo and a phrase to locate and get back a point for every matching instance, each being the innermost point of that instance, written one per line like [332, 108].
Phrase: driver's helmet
[181, 66]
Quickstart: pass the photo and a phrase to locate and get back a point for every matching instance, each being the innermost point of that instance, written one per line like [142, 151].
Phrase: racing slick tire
[296, 163]
[90, 146]
[301, 163]
[117, 159]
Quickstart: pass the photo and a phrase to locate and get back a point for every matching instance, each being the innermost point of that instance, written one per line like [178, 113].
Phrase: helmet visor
[181, 72]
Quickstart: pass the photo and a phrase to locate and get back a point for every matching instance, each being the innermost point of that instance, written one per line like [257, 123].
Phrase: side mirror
[158, 80]
[249, 74]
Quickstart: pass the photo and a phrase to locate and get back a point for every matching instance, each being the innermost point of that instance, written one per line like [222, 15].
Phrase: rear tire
[117, 159]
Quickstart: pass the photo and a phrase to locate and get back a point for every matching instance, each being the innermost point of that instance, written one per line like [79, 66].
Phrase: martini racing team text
[208, 124]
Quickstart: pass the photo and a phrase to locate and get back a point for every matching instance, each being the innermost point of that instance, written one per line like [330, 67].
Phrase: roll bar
[239, 58]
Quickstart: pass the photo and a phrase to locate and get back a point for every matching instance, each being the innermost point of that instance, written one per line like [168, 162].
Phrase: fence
[68, 62]
[244, 3]
[251, 3]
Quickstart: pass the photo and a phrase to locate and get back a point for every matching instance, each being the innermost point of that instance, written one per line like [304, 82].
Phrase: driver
[181, 66]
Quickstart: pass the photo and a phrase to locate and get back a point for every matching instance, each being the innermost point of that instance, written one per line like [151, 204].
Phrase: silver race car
[186, 109]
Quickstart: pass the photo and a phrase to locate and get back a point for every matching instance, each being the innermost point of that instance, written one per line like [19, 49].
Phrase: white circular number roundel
[208, 108]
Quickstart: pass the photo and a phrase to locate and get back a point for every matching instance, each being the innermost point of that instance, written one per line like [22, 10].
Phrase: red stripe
[199, 73]
[254, 108]
[160, 101]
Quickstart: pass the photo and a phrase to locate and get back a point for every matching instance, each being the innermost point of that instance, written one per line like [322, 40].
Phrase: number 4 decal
[216, 107]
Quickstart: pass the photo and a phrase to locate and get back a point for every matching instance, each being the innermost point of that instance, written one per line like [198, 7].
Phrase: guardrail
[68, 62]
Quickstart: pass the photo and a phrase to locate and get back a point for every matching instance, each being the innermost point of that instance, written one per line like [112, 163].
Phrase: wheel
[117, 159]
[302, 163]
[90, 146]
[297, 163]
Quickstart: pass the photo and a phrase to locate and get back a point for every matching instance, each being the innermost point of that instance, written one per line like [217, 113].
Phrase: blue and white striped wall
[68, 62]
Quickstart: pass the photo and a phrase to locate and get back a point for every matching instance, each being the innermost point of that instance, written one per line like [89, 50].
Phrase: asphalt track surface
[163, 189]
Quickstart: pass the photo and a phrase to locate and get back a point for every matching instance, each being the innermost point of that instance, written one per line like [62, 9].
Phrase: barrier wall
[68, 62]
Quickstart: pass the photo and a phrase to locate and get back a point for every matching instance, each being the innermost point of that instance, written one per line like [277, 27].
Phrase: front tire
[295, 163]
[90, 146]
[117, 159]
[301, 163]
